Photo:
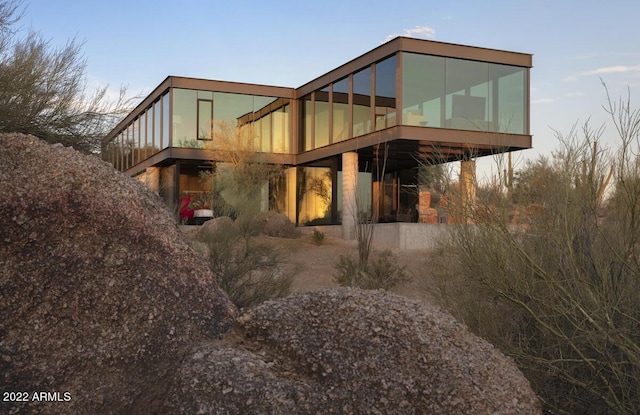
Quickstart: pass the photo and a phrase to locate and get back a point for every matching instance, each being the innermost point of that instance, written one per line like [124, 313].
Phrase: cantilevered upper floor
[417, 95]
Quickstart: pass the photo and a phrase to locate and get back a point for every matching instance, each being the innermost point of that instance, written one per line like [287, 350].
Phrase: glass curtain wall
[460, 94]
[385, 90]
[207, 118]
[321, 122]
[325, 114]
[314, 189]
[362, 102]
[143, 137]
[340, 110]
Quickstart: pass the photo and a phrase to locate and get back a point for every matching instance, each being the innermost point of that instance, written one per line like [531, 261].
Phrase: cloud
[423, 32]
[634, 70]
[613, 69]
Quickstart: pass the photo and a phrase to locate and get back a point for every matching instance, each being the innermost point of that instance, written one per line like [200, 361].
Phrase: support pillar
[467, 187]
[349, 195]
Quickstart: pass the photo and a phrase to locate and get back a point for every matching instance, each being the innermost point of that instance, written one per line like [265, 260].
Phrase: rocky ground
[106, 308]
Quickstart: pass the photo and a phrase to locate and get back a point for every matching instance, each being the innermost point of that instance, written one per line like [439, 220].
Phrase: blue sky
[287, 43]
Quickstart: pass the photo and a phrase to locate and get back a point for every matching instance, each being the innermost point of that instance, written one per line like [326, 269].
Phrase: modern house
[405, 100]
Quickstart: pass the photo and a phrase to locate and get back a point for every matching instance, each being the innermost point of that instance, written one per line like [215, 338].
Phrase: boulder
[349, 351]
[212, 226]
[100, 296]
[276, 224]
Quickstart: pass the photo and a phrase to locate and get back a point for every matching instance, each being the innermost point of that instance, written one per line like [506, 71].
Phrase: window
[362, 102]
[341, 110]
[321, 118]
[205, 119]
[385, 98]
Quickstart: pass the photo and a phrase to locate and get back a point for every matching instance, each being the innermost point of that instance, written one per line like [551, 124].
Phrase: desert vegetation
[548, 269]
[362, 272]
[248, 270]
[43, 89]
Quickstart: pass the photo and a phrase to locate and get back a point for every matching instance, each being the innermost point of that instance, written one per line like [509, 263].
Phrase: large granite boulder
[99, 293]
[349, 352]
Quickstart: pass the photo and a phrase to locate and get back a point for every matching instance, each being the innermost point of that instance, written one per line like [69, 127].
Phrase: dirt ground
[317, 262]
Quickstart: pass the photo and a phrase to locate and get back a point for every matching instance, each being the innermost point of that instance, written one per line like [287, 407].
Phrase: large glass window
[143, 136]
[511, 98]
[341, 110]
[157, 119]
[463, 94]
[307, 113]
[262, 110]
[362, 102]
[314, 195]
[280, 132]
[150, 139]
[321, 117]
[205, 119]
[232, 117]
[423, 86]
[135, 143]
[385, 91]
[129, 150]
[467, 100]
[185, 121]
[166, 120]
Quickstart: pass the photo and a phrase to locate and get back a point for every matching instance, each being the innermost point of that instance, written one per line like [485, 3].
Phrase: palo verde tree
[557, 286]
[42, 89]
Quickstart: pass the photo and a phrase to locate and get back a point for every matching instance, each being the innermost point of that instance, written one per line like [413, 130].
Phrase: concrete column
[467, 186]
[152, 178]
[349, 192]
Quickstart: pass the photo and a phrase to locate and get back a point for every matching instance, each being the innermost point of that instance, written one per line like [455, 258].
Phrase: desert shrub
[559, 290]
[381, 273]
[249, 272]
[317, 237]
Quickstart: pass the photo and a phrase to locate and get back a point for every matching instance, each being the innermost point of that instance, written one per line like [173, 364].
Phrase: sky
[576, 45]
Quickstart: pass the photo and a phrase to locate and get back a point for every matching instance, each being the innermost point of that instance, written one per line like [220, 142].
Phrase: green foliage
[559, 290]
[248, 271]
[382, 273]
[318, 237]
[240, 180]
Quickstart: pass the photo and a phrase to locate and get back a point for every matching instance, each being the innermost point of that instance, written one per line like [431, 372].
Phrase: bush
[249, 272]
[559, 290]
[383, 273]
[318, 237]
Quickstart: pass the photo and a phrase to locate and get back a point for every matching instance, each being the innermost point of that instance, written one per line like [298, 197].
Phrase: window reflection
[166, 117]
[307, 113]
[461, 94]
[205, 119]
[385, 91]
[185, 118]
[321, 117]
[341, 110]
[143, 137]
[362, 102]
[423, 87]
[314, 195]
[157, 118]
[511, 97]
[467, 99]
